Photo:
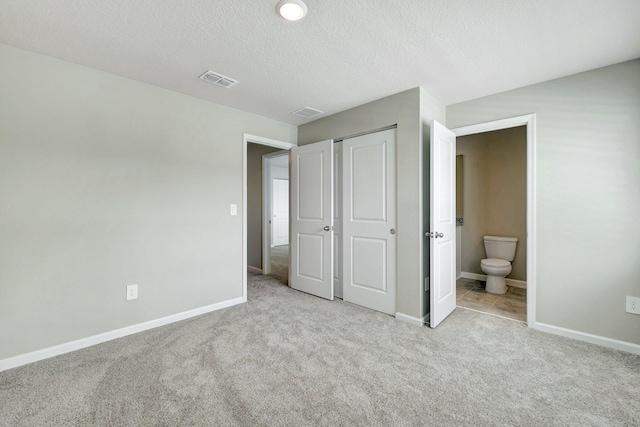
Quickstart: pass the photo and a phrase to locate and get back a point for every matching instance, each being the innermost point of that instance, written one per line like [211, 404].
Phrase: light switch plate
[233, 209]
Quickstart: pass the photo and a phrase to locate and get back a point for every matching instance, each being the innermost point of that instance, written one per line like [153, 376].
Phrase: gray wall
[408, 112]
[254, 202]
[106, 182]
[494, 195]
[587, 196]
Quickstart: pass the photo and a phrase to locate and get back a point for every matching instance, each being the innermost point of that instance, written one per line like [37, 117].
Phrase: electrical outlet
[132, 292]
[633, 305]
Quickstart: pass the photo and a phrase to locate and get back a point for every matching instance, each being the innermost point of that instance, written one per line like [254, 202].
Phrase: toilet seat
[495, 262]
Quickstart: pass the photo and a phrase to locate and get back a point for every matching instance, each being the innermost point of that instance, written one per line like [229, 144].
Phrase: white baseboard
[593, 339]
[254, 270]
[23, 359]
[516, 283]
[510, 282]
[410, 319]
[473, 276]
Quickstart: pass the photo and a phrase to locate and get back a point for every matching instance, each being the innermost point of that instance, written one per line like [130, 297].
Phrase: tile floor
[471, 294]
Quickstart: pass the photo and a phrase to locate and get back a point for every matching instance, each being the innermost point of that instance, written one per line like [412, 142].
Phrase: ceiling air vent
[218, 79]
[307, 112]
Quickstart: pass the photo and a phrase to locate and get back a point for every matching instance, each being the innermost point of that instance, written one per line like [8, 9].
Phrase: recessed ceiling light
[292, 10]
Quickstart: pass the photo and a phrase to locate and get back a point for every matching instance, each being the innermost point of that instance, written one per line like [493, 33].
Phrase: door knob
[392, 231]
[326, 228]
[428, 234]
[439, 235]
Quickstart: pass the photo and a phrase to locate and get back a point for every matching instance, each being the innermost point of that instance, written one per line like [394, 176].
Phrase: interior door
[311, 267]
[369, 220]
[442, 224]
[337, 219]
[280, 212]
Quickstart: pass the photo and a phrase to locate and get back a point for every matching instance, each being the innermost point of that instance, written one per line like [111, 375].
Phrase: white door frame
[529, 121]
[246, 139]
[266, 208]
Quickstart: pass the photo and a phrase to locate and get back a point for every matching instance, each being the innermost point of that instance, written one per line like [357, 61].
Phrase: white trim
[489, 314]
[266, 203]
[529, 121]
[34, 356]
[418, 321]
[592, 339]
[255, 270]
[483, 277]
[246, 138]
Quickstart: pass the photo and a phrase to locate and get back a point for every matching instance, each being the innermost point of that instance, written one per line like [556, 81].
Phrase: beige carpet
[289, 359]
[280, 263]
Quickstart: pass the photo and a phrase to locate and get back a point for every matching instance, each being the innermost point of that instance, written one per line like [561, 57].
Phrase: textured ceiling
[344, 53]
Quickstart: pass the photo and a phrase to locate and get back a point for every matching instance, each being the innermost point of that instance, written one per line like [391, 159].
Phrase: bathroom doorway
[495, 169]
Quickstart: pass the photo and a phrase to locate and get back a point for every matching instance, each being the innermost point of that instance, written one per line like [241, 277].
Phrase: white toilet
[500, 253]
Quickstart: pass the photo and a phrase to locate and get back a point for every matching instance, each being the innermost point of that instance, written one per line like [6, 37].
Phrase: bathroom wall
[494, 195]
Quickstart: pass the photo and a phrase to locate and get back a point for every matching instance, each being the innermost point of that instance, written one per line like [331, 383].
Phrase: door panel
[442, 224]
[368, 182]
[310, 264]
[369, 215]
[311, 268]
[310, 197]
[369, 259]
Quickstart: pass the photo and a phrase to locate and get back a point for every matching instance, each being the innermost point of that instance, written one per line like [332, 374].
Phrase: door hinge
[426, 284]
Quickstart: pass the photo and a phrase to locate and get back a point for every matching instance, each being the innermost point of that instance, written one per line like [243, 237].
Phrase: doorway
[491, 181]
[275, 214]
[529, 243]
[253, 240]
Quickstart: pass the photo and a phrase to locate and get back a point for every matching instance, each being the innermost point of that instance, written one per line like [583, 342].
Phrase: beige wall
[254, 202]
[494, 195]
[587, 194]
[407, 111]
[106, 182]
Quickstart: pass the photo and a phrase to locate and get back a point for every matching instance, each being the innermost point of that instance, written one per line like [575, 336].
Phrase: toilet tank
[500, 247]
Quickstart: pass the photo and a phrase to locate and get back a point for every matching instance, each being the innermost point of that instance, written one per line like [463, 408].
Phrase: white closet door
[311, 268]
[369, 220]
[337, 219]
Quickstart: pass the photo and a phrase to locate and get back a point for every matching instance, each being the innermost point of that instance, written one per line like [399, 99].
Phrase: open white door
[369, 221]
[311, 267]
[337, 219]
[280, 212]
[442, 224]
